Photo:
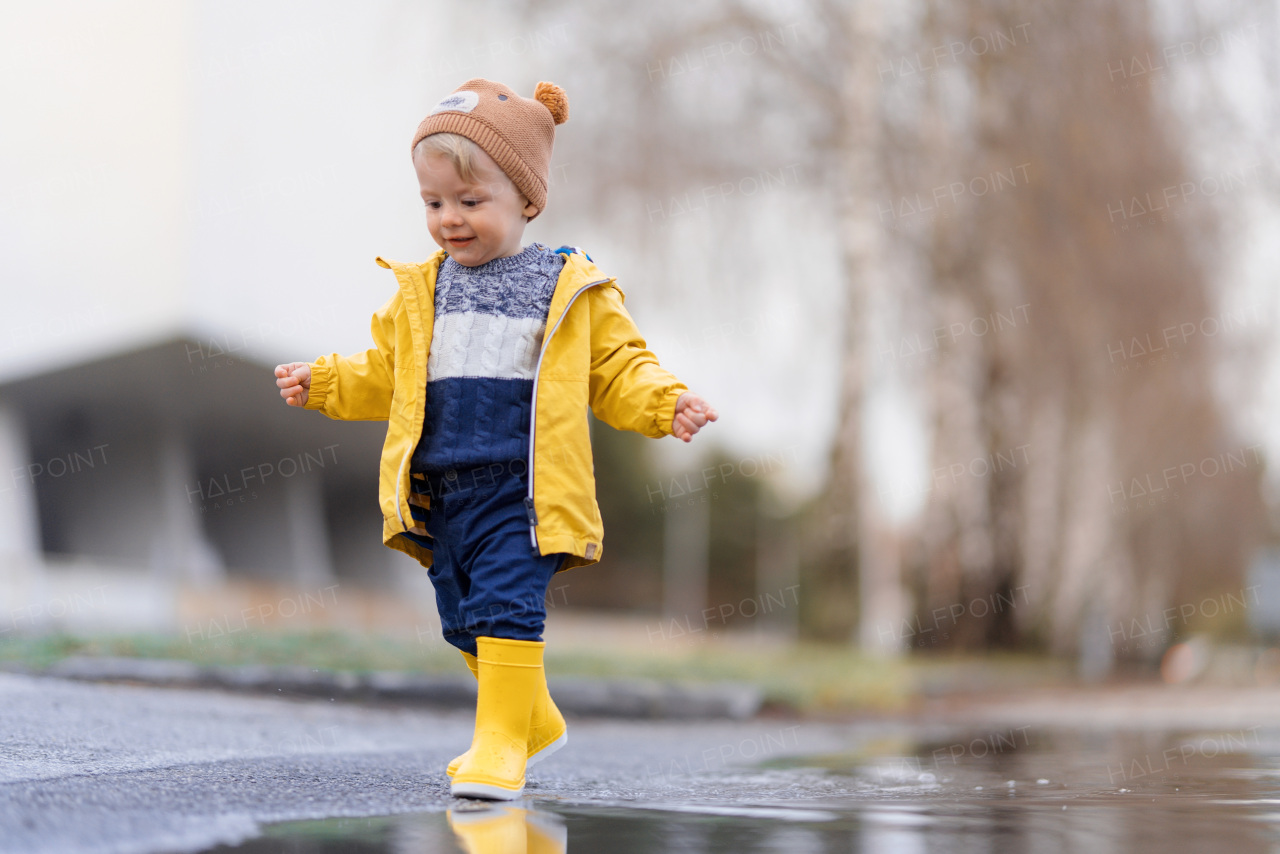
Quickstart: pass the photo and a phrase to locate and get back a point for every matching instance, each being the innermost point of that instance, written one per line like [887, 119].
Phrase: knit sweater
[489, 325]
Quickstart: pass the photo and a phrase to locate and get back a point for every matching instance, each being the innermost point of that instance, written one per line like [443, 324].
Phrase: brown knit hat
[516, 132]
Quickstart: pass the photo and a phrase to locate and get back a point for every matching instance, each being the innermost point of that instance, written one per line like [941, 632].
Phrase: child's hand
[692, 412]
[294, 380]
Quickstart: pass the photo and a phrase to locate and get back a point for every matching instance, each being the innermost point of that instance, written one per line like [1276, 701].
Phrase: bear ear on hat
[553, 98]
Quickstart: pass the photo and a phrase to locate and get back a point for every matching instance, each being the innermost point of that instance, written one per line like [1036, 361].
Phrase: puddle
[1004, 791]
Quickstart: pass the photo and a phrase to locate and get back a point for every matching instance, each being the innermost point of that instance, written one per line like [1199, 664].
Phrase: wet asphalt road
[121, 768]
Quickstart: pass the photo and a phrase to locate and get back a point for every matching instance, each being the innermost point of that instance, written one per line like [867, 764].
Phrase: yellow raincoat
[592, 355]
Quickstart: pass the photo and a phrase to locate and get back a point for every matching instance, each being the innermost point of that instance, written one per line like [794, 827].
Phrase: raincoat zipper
[399, 472]
[533, 409]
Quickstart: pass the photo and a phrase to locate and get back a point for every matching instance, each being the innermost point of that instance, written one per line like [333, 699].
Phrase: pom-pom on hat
[516, 132]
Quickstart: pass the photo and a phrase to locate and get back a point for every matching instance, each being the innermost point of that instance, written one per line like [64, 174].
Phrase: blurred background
[985, 292]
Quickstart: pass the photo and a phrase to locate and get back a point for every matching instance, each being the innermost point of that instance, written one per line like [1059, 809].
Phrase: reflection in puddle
[467, 828]
[1049, 791]
[507, 830]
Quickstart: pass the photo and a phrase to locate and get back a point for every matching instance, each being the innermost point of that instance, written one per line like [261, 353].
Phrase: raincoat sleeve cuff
[321, 378]
[666, 413]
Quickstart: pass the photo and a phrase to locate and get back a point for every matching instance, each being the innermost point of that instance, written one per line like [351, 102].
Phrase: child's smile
[474, 221]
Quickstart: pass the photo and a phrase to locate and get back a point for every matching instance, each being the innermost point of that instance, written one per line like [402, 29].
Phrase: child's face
[474, 221]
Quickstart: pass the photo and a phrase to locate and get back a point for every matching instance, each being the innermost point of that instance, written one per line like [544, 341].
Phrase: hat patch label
[462, 102]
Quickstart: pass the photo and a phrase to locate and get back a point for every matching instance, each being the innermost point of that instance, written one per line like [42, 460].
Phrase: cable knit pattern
[488, 330]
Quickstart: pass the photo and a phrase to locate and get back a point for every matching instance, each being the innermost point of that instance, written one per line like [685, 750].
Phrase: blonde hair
[459, 150]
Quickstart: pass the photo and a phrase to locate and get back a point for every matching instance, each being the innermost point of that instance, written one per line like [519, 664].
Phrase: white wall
[93, 159]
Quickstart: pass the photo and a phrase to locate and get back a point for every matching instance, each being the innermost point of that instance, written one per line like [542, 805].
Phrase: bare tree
[1018, 105]
[1081, 528]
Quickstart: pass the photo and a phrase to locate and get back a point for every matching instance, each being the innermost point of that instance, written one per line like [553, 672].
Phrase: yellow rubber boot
[547, 730]
[509, 675]
[475, 671]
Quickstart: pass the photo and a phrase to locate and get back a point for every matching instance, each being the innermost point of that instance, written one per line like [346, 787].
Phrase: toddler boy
[485, 362]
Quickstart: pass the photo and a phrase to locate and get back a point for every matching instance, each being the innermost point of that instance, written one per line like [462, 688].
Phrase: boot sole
[485, 791]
